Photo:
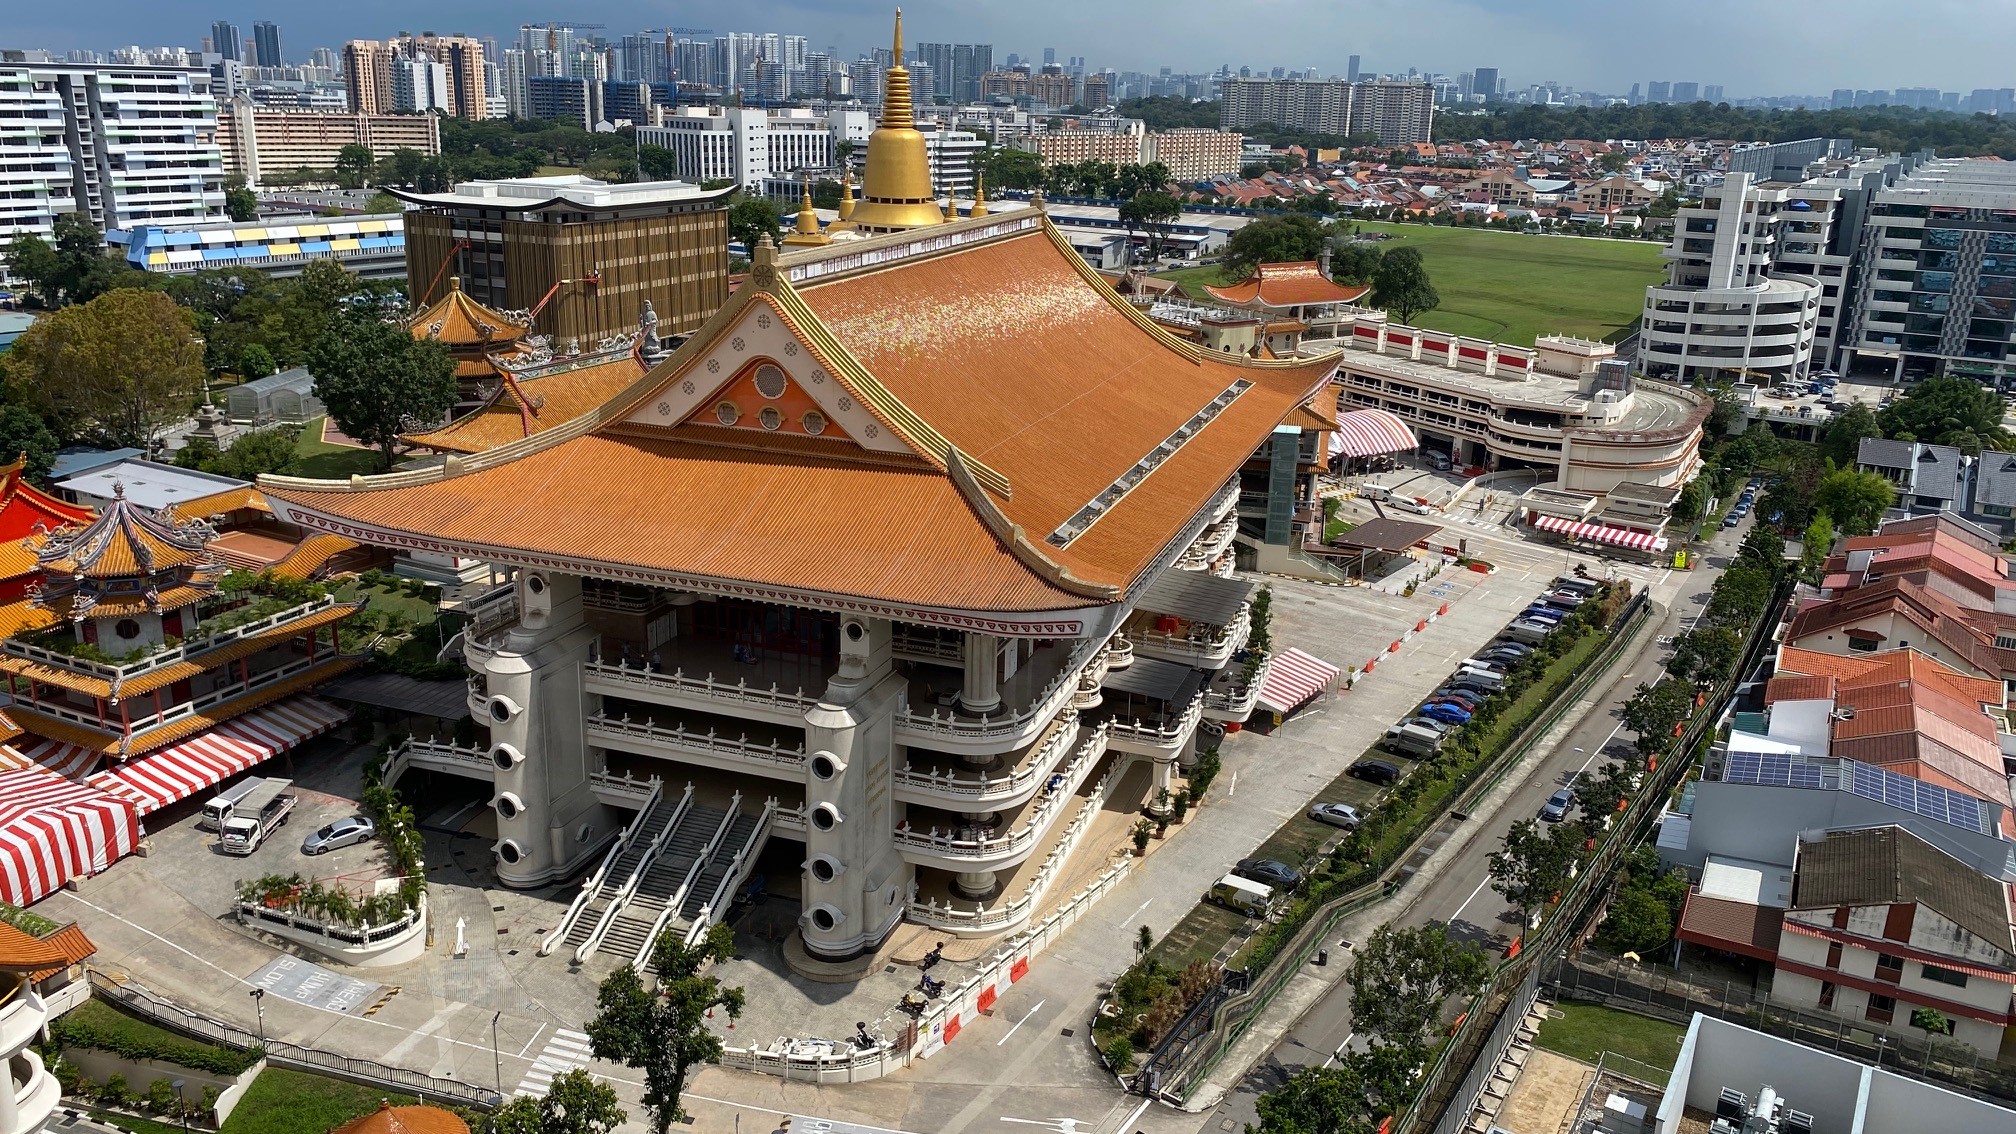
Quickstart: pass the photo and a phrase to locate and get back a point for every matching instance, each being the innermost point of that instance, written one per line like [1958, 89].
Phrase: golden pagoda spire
[979, 196]
[896, 191]
[807, 230]
[846, 194]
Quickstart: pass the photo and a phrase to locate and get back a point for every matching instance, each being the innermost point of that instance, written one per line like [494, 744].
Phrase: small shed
[288, 396]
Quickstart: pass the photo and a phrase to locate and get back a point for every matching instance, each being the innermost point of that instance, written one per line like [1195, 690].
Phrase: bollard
[1322, 957]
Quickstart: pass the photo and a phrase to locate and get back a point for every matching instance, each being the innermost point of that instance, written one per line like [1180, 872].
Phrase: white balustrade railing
[984, 788]
[646, 677]
[1201, 637]
[628, 889]
[1046, 704]
[925, 645]
[622, 783]
[710, 742]
[1239, 695]
[678, 898]
[594, 881]
[737, 866]
[952, 846]
[188, 650]
[1173, 730]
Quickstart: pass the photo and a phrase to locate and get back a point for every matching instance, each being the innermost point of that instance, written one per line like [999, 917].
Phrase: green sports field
[1511, 287]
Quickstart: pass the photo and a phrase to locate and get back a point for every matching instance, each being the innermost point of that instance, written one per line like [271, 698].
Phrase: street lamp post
[181, 1103]
[258, 996]
[496, 1060]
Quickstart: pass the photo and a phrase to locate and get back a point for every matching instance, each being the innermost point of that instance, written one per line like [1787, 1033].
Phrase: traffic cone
[1444, 610]
[1394, 648]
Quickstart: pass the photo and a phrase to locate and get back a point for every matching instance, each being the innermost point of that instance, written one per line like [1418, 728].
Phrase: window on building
[1882, 1009]
[1834, 954]
[1943, 975]
[1827, 995]
[1889, 968]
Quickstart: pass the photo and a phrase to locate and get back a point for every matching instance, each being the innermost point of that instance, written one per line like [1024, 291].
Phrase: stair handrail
[621, 897]
[678, 897]
[591, 885]
[737, 866]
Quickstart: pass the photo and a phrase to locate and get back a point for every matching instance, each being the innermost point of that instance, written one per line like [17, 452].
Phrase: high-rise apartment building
[266, 45]
[1098, 91]
[225, 41]
[1712, 92]
[121, 145]
[419, 85]
[1400, 112]
[367, 76]
[958, 67]
[1484, 81]
[1686, 92]
[556, 98]
[369, 73]
[1053, 86]
[1659, 90]
[1194, 154]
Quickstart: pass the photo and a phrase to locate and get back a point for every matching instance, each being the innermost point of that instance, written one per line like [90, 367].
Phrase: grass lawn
[1198, 936]
[1511, 287]
[291, 1102]
[96, 1020]
[129, 1123]
[331, 462]
[1585, 1031]
[389, 598]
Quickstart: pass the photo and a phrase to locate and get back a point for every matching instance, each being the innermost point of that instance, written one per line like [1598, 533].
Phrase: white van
[225, 803]
[1413, 740]
[1243, 895]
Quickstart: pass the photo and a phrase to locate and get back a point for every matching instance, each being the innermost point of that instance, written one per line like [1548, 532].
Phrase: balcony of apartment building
[935, 778]
[1091, 831]
[668, 736]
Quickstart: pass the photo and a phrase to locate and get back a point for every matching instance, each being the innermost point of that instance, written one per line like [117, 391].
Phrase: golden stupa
[807, 233]
[896, 192]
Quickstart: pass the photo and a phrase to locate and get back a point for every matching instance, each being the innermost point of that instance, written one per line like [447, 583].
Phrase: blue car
[1446, 711]
[1545, 614]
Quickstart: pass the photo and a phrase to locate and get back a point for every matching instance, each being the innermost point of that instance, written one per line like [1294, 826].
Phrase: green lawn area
[331, 462]
[1585, 1031]
[291, 1102]
[129, 1123]
[1198, 936]
[1509, 286]
[392, 599]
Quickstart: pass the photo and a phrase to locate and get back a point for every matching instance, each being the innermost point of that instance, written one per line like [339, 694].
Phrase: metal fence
[1669, 995]
[280, 1053]
[1482, 1068]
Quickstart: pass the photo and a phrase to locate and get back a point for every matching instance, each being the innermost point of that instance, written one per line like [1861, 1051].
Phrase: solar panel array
[1954, 808]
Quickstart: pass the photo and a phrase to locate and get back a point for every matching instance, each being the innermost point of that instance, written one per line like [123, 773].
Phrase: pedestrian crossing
[566, 1051]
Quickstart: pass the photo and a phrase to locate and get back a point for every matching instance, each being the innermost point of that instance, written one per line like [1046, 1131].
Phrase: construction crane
[691, 31]
[592, 279]
[428, 296]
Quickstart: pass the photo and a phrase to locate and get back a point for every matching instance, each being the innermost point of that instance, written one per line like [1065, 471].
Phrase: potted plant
[1141, 835]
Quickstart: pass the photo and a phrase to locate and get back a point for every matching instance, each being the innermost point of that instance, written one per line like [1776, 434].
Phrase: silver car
[1336, 814]
[342, 833]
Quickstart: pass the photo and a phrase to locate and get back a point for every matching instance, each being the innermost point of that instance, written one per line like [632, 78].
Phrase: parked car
[1336, 814]
[1473, 684]
[1543, 613]
[1731, 520]
[1529, 631]
[1520, 649]
[1557, 805]
[1446, 711]
[341, 833]
[1439, 728]
[1376, 771]
[1274, 873]
[1468, 698]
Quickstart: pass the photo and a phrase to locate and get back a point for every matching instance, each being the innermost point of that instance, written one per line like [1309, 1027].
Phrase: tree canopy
[1948, 411]
[1532, 865]
[119, 367]
[750, 218]
[378, 381]
[1273, 240]
[1401, 978]
[1854, 501]
[664, 1033]
[1009, 168]
[1400, 285]
[1155, 212]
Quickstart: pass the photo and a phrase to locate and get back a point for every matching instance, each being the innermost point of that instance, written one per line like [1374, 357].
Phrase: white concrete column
[976, 884]
[1165, 780]
[982, 691]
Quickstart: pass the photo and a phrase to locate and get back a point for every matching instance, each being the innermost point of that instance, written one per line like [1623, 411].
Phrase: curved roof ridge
[1015, 539]
[151, 541]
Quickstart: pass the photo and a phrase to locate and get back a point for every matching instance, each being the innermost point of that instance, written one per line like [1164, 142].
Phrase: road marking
[405, 1046]
[1468, 900]
[1132, 1118]
[1060, 1125]
[1600, 748]
[1349, 1034]
[533, 1040]
[566, 1051]
[1020, 1022]
[1232, 786]
[1139, 908]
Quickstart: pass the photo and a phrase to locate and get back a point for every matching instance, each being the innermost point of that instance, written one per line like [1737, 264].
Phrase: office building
[257, 141]
[266, 44]
[1659, 90]
[556, 98]
[741, 144]
[1937, 287]
[225, 41]
[958, 67]
[1729, 311]
[600, 250]
[956, 811]
[1686, 92]
[121, 145]
[1400, 112]
[1351, 71]
[1484, 81]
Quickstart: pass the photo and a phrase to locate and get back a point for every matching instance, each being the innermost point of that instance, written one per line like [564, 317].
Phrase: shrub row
[96, 1025]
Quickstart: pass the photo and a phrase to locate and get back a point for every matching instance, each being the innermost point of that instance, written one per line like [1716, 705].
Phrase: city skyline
[1529, 43]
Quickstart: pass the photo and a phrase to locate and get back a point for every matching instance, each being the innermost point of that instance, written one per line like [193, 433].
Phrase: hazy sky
[1747, 46]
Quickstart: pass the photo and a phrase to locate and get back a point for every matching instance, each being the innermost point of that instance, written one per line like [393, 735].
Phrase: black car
[1473, 685]
[1376, 771]
[1279, 875]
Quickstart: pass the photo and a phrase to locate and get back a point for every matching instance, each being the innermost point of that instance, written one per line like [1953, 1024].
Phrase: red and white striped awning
[1622, 537]
[1293, 677]
[179, 771]
[71, 761]
[53, 830]
[1370, 432]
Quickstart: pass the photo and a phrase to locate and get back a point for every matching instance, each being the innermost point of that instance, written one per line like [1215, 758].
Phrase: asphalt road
[1460, 896]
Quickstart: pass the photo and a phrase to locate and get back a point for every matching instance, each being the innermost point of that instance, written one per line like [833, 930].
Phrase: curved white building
[1725, 312]
[29, 1093]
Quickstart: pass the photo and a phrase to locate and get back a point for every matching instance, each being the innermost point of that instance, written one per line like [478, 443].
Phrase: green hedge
[95, 1024]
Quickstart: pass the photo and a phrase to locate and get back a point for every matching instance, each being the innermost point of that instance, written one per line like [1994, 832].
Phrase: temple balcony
[1199, 644]
[932, 716]
[939, 779]
[721, 743]
[952, 840]
[1152, 728]
[50, 660]
[1069, 856]
[1230, 696]
[211, 699]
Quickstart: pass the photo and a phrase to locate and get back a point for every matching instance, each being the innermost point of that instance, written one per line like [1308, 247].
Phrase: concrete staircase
[648, 828]
[630, 934]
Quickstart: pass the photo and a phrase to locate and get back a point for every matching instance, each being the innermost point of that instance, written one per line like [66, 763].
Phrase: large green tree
[1401, 286]
[664, 1032]
[1155, 212]
[1855, 501]
[1532, 866]
[1948, 411]
[354, 163]
[1845, 433]
[1355, 261]
[1401, 978]
[1653, 710]
[573, 1104]
[119, 367]
[750, 218]
[1273, 240]
[240, 203]
[32, 260]
[1009, 168]
[378, 381]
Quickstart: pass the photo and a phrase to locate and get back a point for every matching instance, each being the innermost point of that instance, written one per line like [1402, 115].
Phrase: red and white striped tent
[179, 771]
[1370, 432]
[1294, 677]
[71, 761]
[53, 830]
[1621, 537]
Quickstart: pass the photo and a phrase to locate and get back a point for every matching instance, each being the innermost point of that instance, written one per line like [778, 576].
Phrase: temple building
[472, 332]
[912, 561]
[26, 511]
[146, 650]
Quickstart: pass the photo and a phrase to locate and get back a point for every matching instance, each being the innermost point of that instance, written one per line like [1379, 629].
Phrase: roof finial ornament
[808, 221]
[846, 194]
[979, 196]
[763, 264]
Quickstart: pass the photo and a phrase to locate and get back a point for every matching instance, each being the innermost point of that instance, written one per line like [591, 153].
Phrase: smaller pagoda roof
[125, 540]
[531, 399]
[1287, 285]
[389, 1119]
[457, 321]
[21, 953]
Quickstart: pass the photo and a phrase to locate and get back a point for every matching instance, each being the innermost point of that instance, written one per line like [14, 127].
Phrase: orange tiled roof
[1287, 285]
[455, 320]
[125, 540]
[72, 943]
[164, 676]
[143, 741]
[218, 503]
[311, 555]
[534, 400]
[389, 1119]
[21, 953]
[1022, 388]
